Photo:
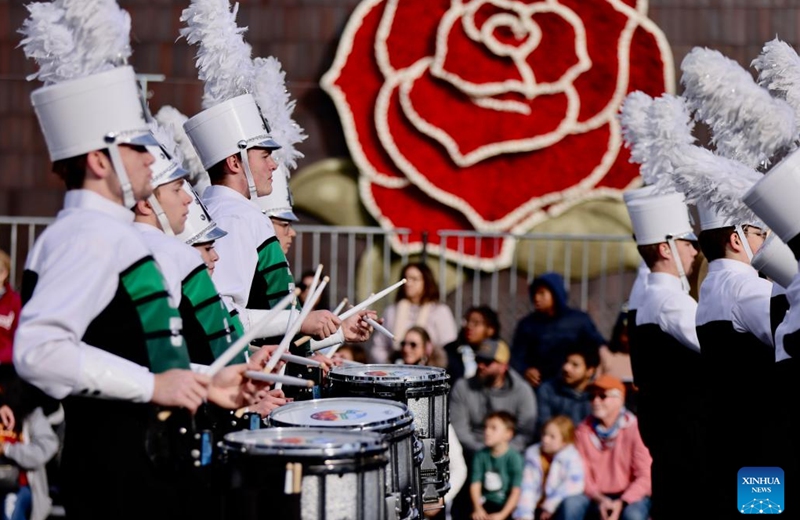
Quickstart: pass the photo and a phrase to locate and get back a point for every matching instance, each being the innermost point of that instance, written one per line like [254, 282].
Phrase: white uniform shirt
[665, 304]
[732, 291]
[78, 260]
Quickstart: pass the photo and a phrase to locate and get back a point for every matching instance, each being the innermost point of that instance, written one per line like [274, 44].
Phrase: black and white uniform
[738, 365]
[96, 326]
[670, 388]
[252, 273]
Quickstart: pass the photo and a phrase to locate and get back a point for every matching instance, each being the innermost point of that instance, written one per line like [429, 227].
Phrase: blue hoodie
[542, 341]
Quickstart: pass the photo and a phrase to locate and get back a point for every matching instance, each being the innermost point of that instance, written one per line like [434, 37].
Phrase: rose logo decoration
[490, 115]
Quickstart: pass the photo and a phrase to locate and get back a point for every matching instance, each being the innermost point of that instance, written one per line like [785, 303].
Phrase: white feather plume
[269, 89]
[166, 139]
[778, 68]
[171, 119]
[671, 129]
[720, 182]
[748, 124]
[633, 118]
[223, 58]
[70, 39]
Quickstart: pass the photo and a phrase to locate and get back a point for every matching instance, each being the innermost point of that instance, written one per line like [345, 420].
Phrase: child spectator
[28, 441]
[553, 471]
[496, 470]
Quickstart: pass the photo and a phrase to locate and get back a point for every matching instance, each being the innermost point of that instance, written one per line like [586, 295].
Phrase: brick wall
[303, 34]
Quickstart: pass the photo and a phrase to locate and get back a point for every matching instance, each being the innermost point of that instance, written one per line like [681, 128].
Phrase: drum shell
[333, 486]
[405, 450]
[425, 391]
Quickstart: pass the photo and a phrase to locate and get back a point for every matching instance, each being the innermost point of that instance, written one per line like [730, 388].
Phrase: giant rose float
[490, 115]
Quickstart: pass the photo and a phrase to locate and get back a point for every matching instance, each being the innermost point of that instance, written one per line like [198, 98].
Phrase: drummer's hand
[260, 358]
[181, 388]
[267, 404]
[320, 324]
[356, 330]
[231, 389]
[275, 392]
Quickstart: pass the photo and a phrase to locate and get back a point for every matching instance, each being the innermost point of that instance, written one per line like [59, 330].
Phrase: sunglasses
[602, 396]
[412, 344]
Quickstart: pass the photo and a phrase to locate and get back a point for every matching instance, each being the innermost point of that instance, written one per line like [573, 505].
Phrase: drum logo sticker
[338, 415]
[760, 491]
[379, 373]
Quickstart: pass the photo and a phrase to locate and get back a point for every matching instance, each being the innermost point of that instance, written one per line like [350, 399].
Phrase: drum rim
[365, 443]
[435, 375]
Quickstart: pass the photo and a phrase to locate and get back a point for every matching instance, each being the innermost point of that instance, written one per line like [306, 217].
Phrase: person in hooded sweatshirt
[542, 338]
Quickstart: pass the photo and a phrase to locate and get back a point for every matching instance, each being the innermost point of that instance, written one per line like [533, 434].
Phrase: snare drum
[305, 474]
[425, 390]
[393, 420]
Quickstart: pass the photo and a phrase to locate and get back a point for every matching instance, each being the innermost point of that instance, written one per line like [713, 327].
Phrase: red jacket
[10, 306]
[623, 467]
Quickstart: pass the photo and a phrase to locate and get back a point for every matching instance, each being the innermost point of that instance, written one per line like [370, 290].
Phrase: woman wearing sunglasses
[416, 348]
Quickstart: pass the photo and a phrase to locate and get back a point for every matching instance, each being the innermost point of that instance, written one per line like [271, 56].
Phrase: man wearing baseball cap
[617, 461]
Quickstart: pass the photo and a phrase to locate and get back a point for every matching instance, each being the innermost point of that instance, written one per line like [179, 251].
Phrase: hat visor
[285, 215]
[268, 143]
[690, 236]
[139, 139]
[212, 234]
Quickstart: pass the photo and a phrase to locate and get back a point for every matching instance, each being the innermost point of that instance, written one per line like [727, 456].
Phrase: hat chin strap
[161, 215]
[673, 247]
[251, 183]
[745, 243]
[128, 200]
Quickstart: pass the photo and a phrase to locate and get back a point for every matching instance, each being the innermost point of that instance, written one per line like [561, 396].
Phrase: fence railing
[598, 269]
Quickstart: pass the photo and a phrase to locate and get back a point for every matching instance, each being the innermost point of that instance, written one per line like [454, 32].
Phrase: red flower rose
[490, 115]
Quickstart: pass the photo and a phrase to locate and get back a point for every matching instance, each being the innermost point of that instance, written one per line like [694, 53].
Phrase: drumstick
[275, 357]
[369, 301]
[299, 360]
[339, 307]
[380, 328]
[358, 308]
[291, 358]
[251, 334]
[275, 378]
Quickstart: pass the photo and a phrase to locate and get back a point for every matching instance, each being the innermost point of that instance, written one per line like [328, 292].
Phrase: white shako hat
[644, 191]
[229, 128]
[775, 260]
[658, 218]
[200, 227]
[774, 199]
[96, 112]
[279, 203]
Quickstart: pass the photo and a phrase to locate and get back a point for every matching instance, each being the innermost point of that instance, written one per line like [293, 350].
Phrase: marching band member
[668, 345]
[234, 143]
[98, 330]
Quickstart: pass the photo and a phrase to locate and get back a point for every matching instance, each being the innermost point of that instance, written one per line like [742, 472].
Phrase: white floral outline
[568, 198]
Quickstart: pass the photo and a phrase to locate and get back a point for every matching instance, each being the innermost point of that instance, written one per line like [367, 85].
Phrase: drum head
[353, 412]
[400, 375]
[306, 442]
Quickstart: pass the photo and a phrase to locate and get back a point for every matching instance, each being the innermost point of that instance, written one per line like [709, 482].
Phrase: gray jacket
[40, 444]
[470, 402]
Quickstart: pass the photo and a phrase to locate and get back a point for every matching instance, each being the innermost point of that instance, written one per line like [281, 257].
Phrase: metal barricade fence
[597, 268]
